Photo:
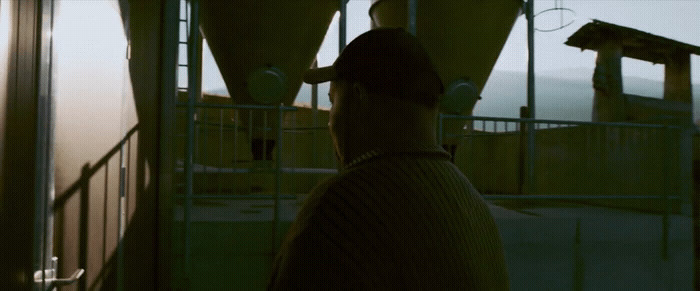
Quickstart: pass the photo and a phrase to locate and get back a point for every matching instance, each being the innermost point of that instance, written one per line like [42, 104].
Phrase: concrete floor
[617, 249]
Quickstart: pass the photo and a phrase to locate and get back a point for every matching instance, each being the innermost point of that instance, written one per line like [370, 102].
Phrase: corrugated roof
[636, 44]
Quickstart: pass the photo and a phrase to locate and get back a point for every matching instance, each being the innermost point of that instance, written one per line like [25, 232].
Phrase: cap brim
[320, 75]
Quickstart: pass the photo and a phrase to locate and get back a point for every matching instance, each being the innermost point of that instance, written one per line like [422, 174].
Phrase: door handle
[49, 276]
[67, 281]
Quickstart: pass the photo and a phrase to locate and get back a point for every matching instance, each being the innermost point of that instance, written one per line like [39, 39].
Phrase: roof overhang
[635, 43]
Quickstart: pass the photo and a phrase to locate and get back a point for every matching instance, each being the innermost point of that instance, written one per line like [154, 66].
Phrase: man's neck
[383, 141]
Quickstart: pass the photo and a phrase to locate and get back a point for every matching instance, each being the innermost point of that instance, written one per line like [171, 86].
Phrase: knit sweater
[398, 220]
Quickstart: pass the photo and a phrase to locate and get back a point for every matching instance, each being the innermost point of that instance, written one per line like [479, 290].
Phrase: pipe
[342, 25]
[529, 12]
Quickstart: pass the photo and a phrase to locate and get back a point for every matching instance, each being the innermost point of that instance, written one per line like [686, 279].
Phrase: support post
[530, 161]
[342, 25]
[677, 83]
[608, 100]
[193, 60]
[169, 47]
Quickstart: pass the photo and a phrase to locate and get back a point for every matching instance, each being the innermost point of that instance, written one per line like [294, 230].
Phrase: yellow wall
[575, 160]
[229, 146]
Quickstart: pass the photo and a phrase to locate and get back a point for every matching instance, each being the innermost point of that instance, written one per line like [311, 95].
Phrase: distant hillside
[563, 95]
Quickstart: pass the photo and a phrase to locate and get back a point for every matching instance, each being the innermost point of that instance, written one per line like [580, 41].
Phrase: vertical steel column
[192, 88]
[695, 214]
[529, 12]
[278, 182]
[169, 68]
[695, 202]
[314, 119]
[412, 16]
[342, 25]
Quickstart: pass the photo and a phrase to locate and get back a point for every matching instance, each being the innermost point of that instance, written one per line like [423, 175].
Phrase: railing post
[278, 182]
[439, 129]
[666, 185]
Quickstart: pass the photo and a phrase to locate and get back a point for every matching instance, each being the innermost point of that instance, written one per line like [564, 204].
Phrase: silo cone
[262, 48]
[463, 39]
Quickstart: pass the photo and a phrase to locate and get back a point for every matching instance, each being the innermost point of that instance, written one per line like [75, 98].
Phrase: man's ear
[359, 91]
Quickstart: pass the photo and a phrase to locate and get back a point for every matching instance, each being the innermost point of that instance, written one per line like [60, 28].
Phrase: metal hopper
[463, 38]
[262, 48]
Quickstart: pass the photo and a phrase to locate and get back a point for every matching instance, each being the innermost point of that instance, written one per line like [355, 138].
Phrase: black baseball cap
[386, 60]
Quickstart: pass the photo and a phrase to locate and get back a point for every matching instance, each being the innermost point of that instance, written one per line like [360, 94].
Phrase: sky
[675, 19]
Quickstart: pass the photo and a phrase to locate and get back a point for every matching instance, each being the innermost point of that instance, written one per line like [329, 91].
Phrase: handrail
[237, 106]
[550, 121]
[577, 197]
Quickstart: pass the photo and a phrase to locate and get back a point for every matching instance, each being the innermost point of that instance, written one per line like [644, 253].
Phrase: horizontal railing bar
[306, 128]
[487, 197]
[215, 170]
[309, 171]
[242, 127]
[530, 120]
[271, 196]
[237, 253]
[237, 106]
[576, 197]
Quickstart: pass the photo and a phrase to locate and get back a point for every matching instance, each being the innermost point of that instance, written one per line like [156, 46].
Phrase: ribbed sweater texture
[407, 220]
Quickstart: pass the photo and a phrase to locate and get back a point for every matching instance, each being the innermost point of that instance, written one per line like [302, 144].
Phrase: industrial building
[118, 172]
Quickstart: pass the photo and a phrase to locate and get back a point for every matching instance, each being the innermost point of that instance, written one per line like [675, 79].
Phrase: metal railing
[655, 155]
[245, 153]
[559, 137]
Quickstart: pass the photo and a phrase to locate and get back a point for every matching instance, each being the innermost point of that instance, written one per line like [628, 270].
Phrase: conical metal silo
[463, 38]
[262, 48]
